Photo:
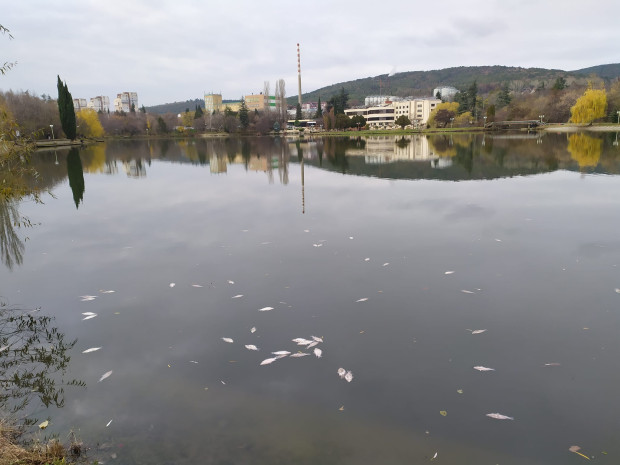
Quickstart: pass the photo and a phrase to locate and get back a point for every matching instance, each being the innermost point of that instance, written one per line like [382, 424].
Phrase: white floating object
[92, 349]
[464, 291]
[231, 282]
[89, 317]
[299, 354]
[362, 300]
[386, 264]
[318, 352]
[196, 285]
[87, 298]
[367, 259]
[481, 368]
[227, 339]
[351, 237]
[478, 331]
[193, 361]
[3, 348]
[88, 313]
[105, 375]
[617, 290]
[267, 361]
[172, 284]
[106, 292]
[251, 347]
[499, 416]
[265, 309]
[306, 230]
[498, 240]
[434, 456]
[303, 342]
[342, 372]
[348, 376]
[312, 344]
[237, 296]
[317, 339]
[281, 352]
[253, 330]
[552, 364]
[108, 424]
[449, 272]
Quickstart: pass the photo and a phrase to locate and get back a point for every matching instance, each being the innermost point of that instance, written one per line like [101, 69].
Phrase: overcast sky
[170, 51]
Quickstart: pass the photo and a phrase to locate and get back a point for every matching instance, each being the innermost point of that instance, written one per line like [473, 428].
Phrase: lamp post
[618, 116]
[485, 121]
[451, 122]
[541, 117]
[52, 128]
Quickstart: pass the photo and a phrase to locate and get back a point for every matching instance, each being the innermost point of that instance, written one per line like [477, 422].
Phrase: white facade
[378, 116]
[374, 100]
[417, 110]
[447, 92]
[125, 101]
[99, 103]
[79, 104]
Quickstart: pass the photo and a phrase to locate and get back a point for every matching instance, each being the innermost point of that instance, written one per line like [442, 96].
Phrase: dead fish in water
[89, 317]
[265, 309]
[364, 299]
[106, 292]
[227, 339]
[312, 344]
[253, 330]
[299, 354]
[464, 291]
[317, 339]
[552, 364]
[449, 272]
[499, 416]
[251, 347]
[196, 285]
[267, 361]
[237, 296]
[348, 376]
[172, 284]
[105, 375]
[342, 372]
[481, 368]
[281, 352]
[88, 313]
[478, 331]
[318, 352]
[87, 298]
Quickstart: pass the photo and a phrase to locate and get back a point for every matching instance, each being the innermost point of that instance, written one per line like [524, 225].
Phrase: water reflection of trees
[34, 356]
[75, 173]
[11, 246]
[585, 150]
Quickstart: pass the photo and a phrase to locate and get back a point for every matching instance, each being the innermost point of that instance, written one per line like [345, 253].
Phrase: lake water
[393, 251]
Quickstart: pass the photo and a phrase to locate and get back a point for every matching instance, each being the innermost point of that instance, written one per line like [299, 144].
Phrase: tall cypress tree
[319, 110]
[66, 110]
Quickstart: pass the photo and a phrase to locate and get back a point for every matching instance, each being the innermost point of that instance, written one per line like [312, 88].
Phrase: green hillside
[611, 71]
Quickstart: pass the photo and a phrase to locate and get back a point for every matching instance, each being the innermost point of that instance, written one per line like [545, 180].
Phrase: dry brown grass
[12, 453]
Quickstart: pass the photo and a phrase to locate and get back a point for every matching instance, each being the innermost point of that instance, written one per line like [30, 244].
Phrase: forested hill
[489, 78]
[176, 107]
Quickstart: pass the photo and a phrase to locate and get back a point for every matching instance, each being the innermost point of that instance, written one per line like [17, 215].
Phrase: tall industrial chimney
[298, 75]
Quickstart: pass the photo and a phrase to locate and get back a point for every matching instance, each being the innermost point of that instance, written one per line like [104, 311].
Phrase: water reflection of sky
[539, 253]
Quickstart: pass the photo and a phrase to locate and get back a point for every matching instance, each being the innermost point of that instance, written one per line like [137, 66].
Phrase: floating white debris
[318, 352]
[304, 342]
[499, 416]
[498, 240]
[348, 376]
[434, 456]
[227, 339]
[306, 230]
[172, 284]
[253, 330]
[108, 424]
[299, 354]
[481, 368]
[267, 361]
[281, 352]
[44, 424]
[362, 300]
[105, 375]
[88, 313]
[351, 237]
[92, 349]
[617, 290]
[478, 331]
[386, 264]
[552, 364]
[251, 347]
[465, 291]
[106, 292]
[231, 282]
[89, 317]
[342, 372]
[265, 309]
[237, 296]
[196, 285]
[88, 298]
[193, 361]
[449, 272]
[367, 259]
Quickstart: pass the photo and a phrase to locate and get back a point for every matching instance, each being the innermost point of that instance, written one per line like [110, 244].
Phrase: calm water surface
[528, 226]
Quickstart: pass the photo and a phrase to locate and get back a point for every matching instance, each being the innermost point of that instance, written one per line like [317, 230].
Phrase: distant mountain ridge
[422, 83]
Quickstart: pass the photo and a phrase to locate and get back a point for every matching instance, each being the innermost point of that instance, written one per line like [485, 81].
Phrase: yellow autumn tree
[590, 106]
[585, 150]
[89, 124]
[448, 107]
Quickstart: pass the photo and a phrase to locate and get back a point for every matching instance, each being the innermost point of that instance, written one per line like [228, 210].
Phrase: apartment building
[79, 104]
[125, 102]
[260, 102]
[447, 92]
[378, 117]
[213, 103]
[99, 103]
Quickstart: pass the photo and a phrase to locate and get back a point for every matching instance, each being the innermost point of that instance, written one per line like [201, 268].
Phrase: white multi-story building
[378, 116]
[99, 103]
[375, 100]
[417, 110]
[79, 104]
[126, 101]
[447, 92]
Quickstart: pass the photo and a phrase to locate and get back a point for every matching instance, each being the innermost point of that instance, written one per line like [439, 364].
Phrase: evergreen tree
[198, 113]
[339, 102]
[504, 97]
[142, 109]
[66, 110]
[133, 108]
[244, 117]
[472, 98]
[559, 84]
[319, 110]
